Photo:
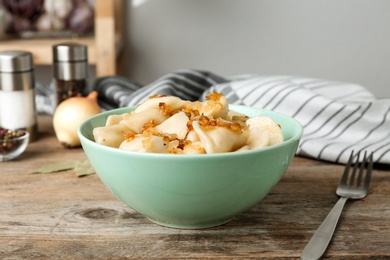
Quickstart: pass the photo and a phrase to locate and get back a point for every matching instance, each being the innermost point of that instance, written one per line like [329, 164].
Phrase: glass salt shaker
[70, 71]
[17, 92]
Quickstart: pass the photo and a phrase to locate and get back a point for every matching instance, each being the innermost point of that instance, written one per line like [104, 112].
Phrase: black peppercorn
[9, 140]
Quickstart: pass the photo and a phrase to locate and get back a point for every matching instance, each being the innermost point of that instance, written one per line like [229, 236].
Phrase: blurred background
[346, 40]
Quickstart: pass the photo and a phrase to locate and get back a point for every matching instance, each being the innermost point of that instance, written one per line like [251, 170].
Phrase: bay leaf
[83, 168]
[56, 167]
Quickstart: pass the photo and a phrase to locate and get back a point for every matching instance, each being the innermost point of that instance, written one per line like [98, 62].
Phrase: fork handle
[320, 240]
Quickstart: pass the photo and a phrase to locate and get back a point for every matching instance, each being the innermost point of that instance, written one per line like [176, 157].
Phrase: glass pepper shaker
[17, 92]
[70, 71]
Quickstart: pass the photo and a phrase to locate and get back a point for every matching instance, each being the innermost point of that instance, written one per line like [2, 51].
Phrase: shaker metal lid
[16, 61]
[70, 52]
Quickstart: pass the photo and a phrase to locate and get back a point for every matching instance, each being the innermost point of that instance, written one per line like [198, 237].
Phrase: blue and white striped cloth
[337, 117]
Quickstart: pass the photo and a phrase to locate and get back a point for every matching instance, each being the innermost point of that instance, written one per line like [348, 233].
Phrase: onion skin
[68, 116]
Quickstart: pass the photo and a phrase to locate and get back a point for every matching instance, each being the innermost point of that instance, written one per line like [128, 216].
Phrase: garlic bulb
[68, 116]
[58, 8]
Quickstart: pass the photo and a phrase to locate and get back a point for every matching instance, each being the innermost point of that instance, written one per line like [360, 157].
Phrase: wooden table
[61, 216]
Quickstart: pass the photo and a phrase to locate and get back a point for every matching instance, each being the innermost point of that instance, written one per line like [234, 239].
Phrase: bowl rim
[26, 135]
[118, 111]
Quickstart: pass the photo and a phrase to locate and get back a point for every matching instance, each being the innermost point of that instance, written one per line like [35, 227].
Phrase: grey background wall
[346, 40]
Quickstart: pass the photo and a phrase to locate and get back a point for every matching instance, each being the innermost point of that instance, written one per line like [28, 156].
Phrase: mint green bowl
[191, 191]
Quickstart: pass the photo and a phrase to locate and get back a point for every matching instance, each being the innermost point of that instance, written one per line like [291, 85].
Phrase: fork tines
[357, 164]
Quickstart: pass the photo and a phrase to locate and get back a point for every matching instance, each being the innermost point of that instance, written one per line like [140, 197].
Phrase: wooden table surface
[62, 216]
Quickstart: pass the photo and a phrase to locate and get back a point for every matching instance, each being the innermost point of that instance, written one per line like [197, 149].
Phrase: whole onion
[68, 116]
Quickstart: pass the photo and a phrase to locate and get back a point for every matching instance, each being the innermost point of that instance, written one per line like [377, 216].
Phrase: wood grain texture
[60, 216]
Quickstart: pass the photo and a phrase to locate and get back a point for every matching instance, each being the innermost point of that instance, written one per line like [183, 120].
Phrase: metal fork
[349, 188]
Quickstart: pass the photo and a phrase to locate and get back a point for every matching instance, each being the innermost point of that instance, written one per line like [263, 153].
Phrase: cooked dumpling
[256, 138]
[194, 148]
[112, 135]
[269, 127]
[237, 117]
[172, 103]
[176, 124]
[219, 138]
[244, 148]
[168, 124]
[115, 119]
[137, 121]
[215, 106]
[192, 136]
[140, 143]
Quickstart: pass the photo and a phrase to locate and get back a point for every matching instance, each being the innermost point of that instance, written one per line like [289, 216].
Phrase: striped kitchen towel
[337, 117]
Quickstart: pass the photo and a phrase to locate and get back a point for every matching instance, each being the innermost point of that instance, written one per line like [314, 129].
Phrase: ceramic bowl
[191, 191]
[11, 148]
